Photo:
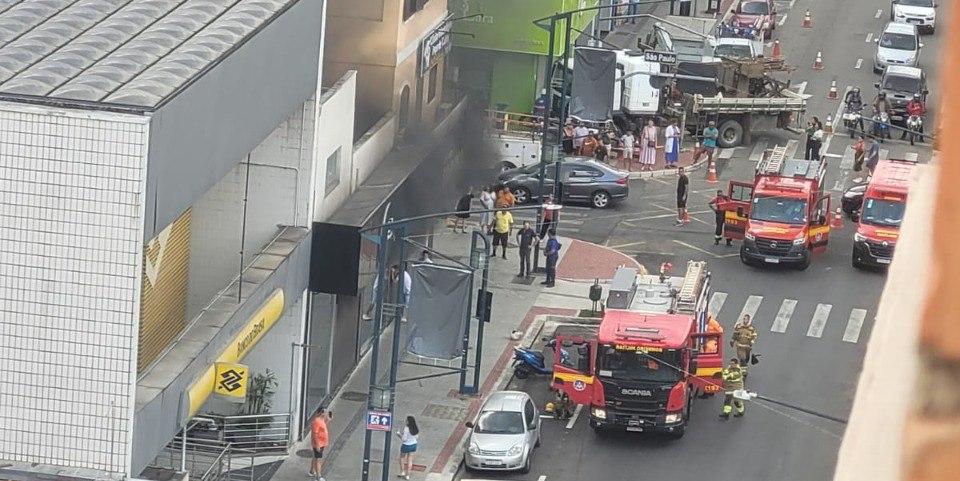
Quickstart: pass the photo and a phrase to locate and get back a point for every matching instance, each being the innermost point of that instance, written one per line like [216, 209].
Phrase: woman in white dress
[648, 145]
[487, 198]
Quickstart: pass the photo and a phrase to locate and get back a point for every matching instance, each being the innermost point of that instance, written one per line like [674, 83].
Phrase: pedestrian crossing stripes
[819, 321]
[783, 315]
[812, 318]
[854, 324]
[911, 156]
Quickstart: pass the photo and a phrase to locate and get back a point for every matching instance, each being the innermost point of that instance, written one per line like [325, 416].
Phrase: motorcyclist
[854, 103]
[915, 108]
[881, 104]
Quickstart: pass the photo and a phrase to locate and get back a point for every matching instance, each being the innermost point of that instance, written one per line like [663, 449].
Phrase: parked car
[582, 179]
[900, 84]
[758, 14]
[922, 13]
[504, 434]
[852, 199]
[899, 44]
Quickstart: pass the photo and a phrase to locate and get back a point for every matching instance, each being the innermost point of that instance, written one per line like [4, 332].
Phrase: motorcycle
[881, 126]
[915, 128]
[851, 118]
[528, 361]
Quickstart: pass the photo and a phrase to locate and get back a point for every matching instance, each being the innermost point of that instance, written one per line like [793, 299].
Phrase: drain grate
[439, 411]
[354, 396]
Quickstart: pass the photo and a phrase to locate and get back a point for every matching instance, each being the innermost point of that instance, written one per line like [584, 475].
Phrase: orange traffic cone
[777, 55]
[711, 172]
[818, 63]
[837, 222]
[807, 23]
[828, 126]
[686, 217]
[832, 94]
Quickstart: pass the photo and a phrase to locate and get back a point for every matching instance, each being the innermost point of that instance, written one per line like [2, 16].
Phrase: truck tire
[804, 265]
[731, 134]
[505, 166]
[677, 433]
[855, 262]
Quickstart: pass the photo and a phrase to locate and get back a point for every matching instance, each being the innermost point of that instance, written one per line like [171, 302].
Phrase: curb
[664, 172]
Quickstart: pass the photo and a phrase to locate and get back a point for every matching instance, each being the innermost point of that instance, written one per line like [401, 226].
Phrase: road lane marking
[576, 414]
[801, 87]
[792, 2]
[783, 20]
[859, 64]
[854, 324]
[879, 13]
[757, 153]
[660, 216]
[546, 416]
[783, 315]
[543, 477]
[848, 158]
[716, 303]
[869, 37]
[750, 307]
[725, 154]
[911, 156]
[703, 251]
[628, 244]
[819, 321]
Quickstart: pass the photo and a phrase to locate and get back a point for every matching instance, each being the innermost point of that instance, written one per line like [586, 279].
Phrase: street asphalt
[812, 356]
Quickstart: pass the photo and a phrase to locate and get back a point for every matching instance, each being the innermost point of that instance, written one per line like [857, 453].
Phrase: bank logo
[231, 379]
[158, 246]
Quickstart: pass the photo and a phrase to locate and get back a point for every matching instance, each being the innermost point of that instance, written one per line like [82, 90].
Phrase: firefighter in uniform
[717, 206]
[744, 336]
[732, 381]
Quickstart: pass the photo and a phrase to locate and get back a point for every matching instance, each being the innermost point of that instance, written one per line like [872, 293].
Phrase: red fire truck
[881, 212]
[650, 357]
[782, 217]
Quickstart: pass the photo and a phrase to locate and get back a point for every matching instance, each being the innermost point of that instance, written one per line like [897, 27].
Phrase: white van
[899, 44]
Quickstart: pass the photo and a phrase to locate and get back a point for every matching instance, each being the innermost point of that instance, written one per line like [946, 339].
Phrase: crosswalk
[788, 315]
[571, 217]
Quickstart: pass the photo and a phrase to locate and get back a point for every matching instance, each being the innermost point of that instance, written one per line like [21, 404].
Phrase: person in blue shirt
[552, 251]
[710, 135]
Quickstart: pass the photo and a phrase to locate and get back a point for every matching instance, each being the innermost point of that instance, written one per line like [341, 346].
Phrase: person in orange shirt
[319, 439]
[712, 327]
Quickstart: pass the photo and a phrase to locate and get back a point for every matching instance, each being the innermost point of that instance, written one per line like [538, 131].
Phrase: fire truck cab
[782, 217]
[880, 214]
[651, 356]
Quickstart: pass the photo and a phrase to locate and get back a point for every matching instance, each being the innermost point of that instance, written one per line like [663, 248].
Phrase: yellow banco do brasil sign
[239, 346]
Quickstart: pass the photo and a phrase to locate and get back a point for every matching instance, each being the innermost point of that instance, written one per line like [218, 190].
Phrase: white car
[922, 13]
[504, 433]
[899, 44]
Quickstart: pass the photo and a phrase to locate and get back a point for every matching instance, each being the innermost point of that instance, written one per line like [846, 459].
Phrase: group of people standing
[641, 144]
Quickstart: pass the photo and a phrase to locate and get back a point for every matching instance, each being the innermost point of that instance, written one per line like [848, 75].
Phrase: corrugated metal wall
[163, 300]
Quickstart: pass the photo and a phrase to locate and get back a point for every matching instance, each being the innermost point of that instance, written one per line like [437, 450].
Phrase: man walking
[552, 251]
[710, 135]
[744, 336]
[319, 440]
[525, 237]
[682, 183]
[502, 223]
[732, 381]
[717, 206]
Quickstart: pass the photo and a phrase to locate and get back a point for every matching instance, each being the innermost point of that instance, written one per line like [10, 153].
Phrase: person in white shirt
[487, 198]
[580, 134]
[408, 446]
[628, 141]
[672, 148]
[394, 273]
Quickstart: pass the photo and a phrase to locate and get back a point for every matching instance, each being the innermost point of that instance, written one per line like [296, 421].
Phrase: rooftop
[124, 53]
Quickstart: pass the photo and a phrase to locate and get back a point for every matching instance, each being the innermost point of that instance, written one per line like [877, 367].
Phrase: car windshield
[917, 3]
[754, 8]
[898, 41]
[735, 51]
[897, 83]
[499, 422]
[887, 213]
[639, 366]
[779, 209]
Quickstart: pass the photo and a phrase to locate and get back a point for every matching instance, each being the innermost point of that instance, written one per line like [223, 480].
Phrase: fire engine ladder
[773, 163]
[690, 288]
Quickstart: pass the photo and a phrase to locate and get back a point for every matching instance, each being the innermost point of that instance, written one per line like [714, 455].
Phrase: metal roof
[123, 52]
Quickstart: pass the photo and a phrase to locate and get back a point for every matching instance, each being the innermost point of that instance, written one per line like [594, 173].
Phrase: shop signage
[435, 44]
[666, 58]
[379, 420]
[231, 379]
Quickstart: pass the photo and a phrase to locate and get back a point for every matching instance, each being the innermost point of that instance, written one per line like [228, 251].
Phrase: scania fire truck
[782, 217]
[881, 212]
[652, 354]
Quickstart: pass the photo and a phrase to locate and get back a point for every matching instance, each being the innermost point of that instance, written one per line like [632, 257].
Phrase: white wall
[279, 194]
[370, 149]
[71, 230]
[334, 130]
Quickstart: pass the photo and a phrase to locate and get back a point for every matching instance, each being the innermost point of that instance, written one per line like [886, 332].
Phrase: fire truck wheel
[856, 262]
[677, 433]
[804, 265]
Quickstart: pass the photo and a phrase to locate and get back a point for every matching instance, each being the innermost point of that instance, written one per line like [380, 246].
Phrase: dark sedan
[852, 199]
[582, 180]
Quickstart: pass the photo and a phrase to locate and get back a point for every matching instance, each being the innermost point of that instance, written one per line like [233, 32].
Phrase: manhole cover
[354, 396]
[440, 411]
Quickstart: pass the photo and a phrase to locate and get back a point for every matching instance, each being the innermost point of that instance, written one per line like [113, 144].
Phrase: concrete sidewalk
[439, 409]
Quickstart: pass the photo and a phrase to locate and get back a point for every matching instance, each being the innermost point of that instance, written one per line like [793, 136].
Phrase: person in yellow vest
[744, 336]
[732, 381]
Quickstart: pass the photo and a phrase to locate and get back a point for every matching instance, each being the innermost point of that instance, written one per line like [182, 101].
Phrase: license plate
[896, 117]
[634, 429]
[493, 462]
[771, 260]
[633, 422]
[913, 20]
[883, 261]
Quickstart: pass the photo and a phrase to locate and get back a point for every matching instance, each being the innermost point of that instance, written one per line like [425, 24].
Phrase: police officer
[732, 381]
[744, 336]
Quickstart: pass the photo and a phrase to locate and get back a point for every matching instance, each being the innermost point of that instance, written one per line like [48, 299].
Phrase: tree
[260, 394]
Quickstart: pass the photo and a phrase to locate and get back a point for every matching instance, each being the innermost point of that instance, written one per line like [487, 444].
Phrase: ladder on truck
[692, 287]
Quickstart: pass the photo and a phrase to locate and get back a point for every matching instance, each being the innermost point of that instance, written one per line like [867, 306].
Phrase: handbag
[651, 144]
